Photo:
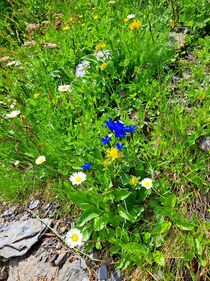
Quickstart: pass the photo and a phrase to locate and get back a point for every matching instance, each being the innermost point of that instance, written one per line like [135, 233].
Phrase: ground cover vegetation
[115, 139]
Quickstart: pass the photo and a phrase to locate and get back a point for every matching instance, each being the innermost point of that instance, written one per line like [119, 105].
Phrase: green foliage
[143, 82]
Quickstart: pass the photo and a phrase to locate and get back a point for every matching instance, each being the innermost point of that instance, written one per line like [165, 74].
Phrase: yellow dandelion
[134, 181]
[135, 25]
[104, 66]
[113, 153]
[66, 27]
[100, 47]
[126, 20]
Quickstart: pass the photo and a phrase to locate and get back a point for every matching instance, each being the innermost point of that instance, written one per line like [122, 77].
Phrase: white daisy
[77, 178]
[40, 160]
[73, 238]
[13, 114]
[131, 16]
[16, 163]
[64, 88]
[147, 183]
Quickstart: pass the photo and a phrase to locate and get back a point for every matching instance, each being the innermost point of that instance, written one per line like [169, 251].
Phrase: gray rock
[18, 237]
[9, 212]
[72, 272]
[103, 272]
[34, 204]
[82, 264]
[204, 144]
[61, 259]
[116, 276]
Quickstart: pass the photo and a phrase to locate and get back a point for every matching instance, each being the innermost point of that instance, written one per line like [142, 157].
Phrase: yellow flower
[66, 27]
[95, 17]
[106, 163]
[100, 46]
[103, 66]
[113, 153]
[36, 95]
[135, 25]
[172, 23]
[126, 20]
[134, 181]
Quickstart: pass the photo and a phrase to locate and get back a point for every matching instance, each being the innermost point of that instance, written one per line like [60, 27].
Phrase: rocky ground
[31, 251]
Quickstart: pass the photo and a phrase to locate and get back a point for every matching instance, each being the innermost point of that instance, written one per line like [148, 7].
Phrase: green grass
[145, 83]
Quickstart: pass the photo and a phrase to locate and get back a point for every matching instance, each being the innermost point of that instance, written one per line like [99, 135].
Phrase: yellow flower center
[113, 153]
[100, 46]
[147, 184]
[75, 237]
[78, 179]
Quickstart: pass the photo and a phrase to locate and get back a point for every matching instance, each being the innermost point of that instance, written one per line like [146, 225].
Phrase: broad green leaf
[121, 194]
[124, 214]
[88, 215]
[101, 222]
[134, 248]
[159, 258]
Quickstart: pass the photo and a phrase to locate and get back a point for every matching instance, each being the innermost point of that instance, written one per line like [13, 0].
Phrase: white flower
[64, 88]
[73, 238]
[131, 16]
[13, 114]
[147, 183]
[77, 178]
[16, 163]
[40, 160]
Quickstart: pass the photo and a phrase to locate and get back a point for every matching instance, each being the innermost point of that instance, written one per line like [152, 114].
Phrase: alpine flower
[147, 183]
[135, 25]
[77, 178]
[131, 16]
[40, 160]
[13, 114]
[64, 88]
[106, 139]
[73, 238]
[86, 166]
[119, 128]
[103, 66]
[113, 153]
[134, 181]
[119, 146]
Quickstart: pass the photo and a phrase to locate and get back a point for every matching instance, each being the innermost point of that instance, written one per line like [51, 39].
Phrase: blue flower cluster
[86, 166]
[106, 139]
[119, 128]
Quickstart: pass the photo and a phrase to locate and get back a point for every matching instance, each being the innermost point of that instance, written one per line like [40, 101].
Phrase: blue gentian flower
[106, 139]
[86, 166]
[119, 146]
[119, 128]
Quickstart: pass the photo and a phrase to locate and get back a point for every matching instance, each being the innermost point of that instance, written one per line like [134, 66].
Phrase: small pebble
[103, 272]
[33, 204]
[204, 144]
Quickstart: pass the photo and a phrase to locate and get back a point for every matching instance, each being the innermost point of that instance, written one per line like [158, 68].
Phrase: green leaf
[136, 249]
[124, 214]
[198, 247]
[184, 225]
[101, 222]
[159, 258]
[121, 194]
[88, 215]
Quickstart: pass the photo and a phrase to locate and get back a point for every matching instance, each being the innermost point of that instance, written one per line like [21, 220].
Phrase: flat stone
[18, 237]
[82, 264]
[72, 272]
[9, 212]
[103, 272]
[34, 204]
